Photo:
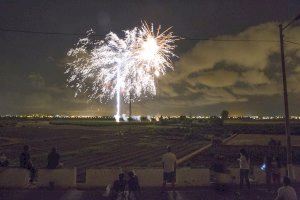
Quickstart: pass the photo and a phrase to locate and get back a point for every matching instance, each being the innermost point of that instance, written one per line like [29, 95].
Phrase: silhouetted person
[133, 186]
[276, 166]
[3, 160]
[272, 142]
[268, 162]
[218, 164]
[244, 168]
[53, 159]
[169, 161]
[25, 162]
[286, 192]
[118, 189]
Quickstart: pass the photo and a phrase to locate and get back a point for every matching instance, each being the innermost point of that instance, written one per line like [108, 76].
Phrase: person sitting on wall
[53, 159]
[26, 163]
[3, 160]
[133, 186]
[118, 188]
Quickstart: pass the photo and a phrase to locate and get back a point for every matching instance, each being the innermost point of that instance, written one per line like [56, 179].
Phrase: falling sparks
[121, 67]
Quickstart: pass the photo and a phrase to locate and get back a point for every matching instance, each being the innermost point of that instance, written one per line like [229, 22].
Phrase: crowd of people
[127, 184]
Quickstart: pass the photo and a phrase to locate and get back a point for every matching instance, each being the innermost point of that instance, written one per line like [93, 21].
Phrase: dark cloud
[221, 72]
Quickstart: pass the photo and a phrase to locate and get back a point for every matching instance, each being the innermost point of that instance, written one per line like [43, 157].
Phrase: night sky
[209, 76]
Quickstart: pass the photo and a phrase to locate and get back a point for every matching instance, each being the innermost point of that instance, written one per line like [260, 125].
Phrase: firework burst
[121, 67]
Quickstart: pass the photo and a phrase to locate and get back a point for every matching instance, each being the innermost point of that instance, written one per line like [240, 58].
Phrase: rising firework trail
[121, 67]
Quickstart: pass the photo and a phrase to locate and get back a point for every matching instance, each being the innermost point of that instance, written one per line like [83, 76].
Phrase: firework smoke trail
[121, 67]
[117, 116]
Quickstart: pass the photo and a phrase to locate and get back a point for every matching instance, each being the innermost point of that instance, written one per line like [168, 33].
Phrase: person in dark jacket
[53, 159]
[25, 162]
[118, 188]
[133, 186]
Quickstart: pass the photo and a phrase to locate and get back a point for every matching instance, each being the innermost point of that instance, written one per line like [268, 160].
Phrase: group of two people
[125, 188]
[131, 185]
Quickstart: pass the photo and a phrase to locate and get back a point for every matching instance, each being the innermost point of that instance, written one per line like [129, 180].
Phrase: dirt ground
[199, 193]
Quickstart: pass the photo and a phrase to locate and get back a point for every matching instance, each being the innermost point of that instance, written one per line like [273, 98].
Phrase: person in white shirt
[244, 168]
[169, 166]
[286, 192]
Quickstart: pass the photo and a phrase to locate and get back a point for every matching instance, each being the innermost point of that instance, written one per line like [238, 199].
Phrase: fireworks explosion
[122, 67]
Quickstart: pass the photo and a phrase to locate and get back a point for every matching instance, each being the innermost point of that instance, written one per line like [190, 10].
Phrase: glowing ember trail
[122, 67]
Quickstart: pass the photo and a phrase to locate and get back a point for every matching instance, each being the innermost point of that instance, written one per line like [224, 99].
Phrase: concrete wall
[296, 173]
[259, 176]
[62, 178]
[101, 177]
[14, 178]
[148, 177]
[193, 177]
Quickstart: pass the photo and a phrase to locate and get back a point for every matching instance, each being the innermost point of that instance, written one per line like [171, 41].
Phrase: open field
[258, 139]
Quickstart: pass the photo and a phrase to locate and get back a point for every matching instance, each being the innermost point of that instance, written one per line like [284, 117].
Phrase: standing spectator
[276, 166]
[268, 169]
[219, 164]
[25, 162]
[244, 168]
[3, 160]
[53, 159]
[272, 142]
[286, 192]
[133, 186]
[118, 188]
[169, 166]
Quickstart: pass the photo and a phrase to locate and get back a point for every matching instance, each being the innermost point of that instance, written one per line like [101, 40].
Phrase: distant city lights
[148, 117]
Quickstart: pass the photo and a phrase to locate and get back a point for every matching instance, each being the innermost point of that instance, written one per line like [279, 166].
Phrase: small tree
[224, 115]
